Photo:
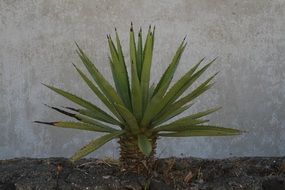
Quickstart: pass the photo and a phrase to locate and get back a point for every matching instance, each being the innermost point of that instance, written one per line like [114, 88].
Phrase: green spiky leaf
[136, 94]
[104, 85]
[131, 122]
[169, 114]
[98, 93]
[194, 94]
[169, 72]
[147, 60]
[136, 90]
[139, 61]
[205, 130]
[158, 102]
[94, 145]
[180, 124]
[102, 115]
[144, 145]
[78, 125]
[119, 71]
[91, 114]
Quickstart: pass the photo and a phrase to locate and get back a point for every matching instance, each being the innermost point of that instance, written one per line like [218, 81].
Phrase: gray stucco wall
[37, 45]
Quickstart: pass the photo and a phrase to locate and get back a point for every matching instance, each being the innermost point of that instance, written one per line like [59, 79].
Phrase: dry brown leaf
[188, 177]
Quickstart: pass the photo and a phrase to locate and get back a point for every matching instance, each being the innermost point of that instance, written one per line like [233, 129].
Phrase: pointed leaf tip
[45, 84]
[74, 65]
[76, 44]
[46, 105]
[73, 109]
[215, 74]
[47, 123]
[215, 59]
[63, 111]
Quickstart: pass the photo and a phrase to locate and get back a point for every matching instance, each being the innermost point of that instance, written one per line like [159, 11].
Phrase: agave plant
[138, 113]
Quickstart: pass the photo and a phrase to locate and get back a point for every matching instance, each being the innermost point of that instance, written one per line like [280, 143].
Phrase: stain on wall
[37, 46]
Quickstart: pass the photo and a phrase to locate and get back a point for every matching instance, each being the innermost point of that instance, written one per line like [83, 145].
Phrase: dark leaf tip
[76, 44]
[216, 73]
[47, 105]
[74, 65]
[45, 84]
[73, 109]
[47, 123]
[62, 111]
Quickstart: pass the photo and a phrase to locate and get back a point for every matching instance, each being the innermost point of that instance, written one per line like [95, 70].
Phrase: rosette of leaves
[138, 113]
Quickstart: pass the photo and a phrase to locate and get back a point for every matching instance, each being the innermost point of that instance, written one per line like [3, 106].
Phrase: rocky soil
[253, 173]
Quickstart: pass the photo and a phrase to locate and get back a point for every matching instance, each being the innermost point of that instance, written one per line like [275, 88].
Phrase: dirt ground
[253, 173]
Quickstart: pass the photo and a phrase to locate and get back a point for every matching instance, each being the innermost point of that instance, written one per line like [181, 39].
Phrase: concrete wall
[37, 45]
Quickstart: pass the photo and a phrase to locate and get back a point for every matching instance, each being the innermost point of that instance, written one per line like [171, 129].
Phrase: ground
[252, 173]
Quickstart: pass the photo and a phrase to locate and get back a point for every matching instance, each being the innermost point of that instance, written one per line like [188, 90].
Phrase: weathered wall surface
[37, 45]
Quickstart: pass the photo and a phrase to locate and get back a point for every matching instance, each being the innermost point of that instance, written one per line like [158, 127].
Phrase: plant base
[132, 159]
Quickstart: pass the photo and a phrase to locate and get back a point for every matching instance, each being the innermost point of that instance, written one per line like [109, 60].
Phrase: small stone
[106, 177]
[200, 181]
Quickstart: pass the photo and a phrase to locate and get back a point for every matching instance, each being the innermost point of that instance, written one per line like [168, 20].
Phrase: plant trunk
[132, 159]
